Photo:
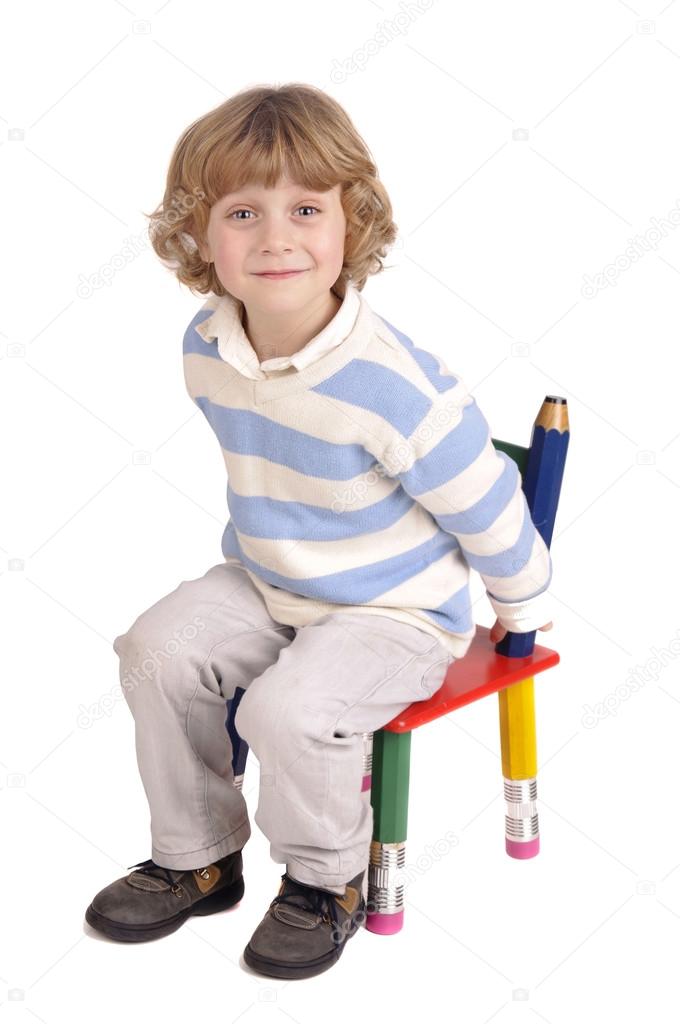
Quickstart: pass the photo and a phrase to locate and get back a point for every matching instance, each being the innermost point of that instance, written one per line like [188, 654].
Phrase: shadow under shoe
[153, 900]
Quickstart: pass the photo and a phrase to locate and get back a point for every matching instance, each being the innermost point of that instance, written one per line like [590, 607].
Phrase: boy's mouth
[279, 274]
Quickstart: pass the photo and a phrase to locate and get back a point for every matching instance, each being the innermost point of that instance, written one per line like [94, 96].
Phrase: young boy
[362, 487]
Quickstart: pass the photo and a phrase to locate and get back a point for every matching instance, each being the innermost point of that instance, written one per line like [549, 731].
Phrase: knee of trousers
[156, 661]
[269, 724]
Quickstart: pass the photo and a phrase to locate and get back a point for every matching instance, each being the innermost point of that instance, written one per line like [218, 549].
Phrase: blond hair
[259, 136]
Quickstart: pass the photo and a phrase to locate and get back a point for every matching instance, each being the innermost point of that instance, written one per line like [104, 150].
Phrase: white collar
[234, 345]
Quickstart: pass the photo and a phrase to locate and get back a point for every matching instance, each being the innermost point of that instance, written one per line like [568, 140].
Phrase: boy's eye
[234, 212]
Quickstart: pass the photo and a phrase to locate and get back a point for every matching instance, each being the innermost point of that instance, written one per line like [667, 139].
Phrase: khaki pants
[310, 694]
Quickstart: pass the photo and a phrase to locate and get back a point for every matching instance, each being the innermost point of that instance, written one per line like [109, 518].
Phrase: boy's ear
[202, 247]
[199, 242]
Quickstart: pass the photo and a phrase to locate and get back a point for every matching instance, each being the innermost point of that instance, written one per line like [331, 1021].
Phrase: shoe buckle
[176, 890]
[204, 873]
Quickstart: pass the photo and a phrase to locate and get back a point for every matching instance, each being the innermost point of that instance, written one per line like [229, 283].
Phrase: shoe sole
[221, 900]
[276, 969]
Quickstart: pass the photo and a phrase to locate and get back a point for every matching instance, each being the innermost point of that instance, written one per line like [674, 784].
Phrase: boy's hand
[498, 632]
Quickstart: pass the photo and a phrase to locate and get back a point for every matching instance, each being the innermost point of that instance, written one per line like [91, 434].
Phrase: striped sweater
[365, 480]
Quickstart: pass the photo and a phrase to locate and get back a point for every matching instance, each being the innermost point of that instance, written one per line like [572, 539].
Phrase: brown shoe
[154, 901]
[305, 929]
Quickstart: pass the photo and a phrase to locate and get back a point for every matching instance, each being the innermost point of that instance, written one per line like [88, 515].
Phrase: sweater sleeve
[450, 466]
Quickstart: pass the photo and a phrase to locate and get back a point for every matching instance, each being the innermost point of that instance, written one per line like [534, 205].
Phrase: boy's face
[288, 227]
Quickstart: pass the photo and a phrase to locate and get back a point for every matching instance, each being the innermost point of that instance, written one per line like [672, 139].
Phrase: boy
[362, 487]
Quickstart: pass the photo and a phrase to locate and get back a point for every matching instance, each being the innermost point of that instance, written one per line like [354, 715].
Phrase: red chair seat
[479, 673]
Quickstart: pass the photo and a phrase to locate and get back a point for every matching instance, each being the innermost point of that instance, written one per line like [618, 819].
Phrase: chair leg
[389, 798]
[518, 755]
[239, 746]
[368, 761]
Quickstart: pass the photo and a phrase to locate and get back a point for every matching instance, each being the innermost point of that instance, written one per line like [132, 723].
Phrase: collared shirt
[368, 482]
[235, 348]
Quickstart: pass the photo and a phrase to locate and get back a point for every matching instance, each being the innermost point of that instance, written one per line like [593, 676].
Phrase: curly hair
[258, 136]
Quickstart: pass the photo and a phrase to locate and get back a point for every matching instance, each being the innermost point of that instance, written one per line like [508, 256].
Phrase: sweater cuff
[524, 616]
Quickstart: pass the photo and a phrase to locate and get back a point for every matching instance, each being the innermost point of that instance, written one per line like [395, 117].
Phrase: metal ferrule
[385, 890]
[521, 816]
[368, 752]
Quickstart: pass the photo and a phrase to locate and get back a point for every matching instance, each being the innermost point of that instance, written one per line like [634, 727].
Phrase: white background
[523, 146]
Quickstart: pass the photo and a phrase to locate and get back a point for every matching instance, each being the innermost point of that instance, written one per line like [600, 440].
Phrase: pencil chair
[506, 668]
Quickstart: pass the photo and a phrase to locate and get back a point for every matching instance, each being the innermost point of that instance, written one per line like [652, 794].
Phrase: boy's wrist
[524, 616]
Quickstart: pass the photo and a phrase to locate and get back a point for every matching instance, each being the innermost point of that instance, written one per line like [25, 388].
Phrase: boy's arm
[450, 466]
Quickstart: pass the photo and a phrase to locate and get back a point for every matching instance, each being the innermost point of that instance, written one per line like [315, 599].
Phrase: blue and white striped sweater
[368, 480]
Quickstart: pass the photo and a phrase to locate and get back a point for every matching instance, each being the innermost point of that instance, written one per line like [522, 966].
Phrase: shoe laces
[149, 867]
[317, 901]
